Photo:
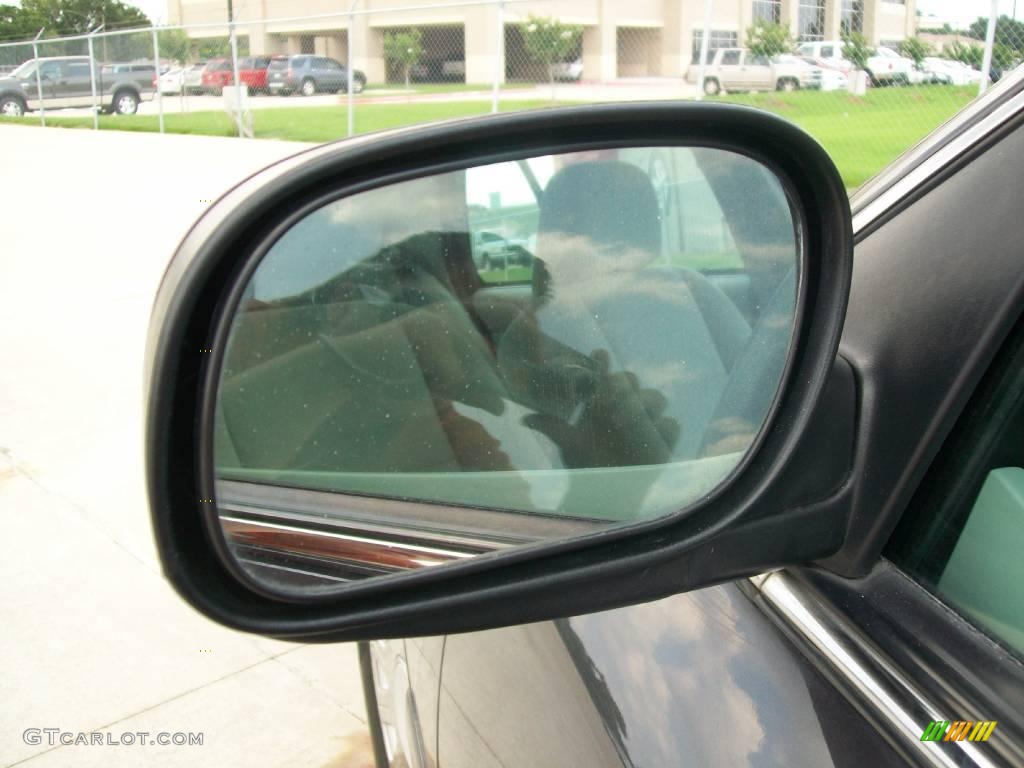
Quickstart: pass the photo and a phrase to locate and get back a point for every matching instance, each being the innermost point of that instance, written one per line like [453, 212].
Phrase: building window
[768, 10]
[717, 39]
[811, 20]
[852, 17]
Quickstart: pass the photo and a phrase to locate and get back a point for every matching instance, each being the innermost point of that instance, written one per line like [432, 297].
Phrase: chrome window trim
[873, 681]
[444, 525]
[925, 160]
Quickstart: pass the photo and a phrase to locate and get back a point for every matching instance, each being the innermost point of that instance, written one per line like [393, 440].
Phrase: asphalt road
[91, 636]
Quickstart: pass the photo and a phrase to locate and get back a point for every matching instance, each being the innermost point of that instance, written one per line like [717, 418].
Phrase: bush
[1004, 57]
[548, 41]
[769, 39]
[915, 48]
[404, 50]
[968, 53]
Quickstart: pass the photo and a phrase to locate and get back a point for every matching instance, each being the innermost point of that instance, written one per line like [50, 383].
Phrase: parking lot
[651, 89]
[94, 637]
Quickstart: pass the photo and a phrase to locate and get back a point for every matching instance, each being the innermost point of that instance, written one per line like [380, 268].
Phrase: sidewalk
[93, 637]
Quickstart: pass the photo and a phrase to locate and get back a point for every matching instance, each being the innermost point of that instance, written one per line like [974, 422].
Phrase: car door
[935, 303]
[74, 89]
[333, 74]
[944, 604]
[920, 661]
[730, 68]
[50, 73]
[757, 72]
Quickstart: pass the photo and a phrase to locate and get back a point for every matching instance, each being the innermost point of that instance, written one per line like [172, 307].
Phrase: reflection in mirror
[500, 356]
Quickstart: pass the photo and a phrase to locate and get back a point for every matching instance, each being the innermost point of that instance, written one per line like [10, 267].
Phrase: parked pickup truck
[737, 69]
[885, 66]
[66, 82]
[494, 251]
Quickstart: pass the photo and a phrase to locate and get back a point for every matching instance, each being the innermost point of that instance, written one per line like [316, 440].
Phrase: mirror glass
[500, 356]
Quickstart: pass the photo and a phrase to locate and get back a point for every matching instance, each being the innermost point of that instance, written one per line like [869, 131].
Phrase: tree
[1009, 32]
[219, 47]
[76, 17]
[404, 49]
[548, 41]
[175, 45]
[15, 24]
[857, 51]
[766, 38]
[915, 48]
[968, 53]
[1004, 56]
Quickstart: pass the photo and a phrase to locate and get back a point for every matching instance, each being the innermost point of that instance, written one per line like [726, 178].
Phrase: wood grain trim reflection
[337, 546]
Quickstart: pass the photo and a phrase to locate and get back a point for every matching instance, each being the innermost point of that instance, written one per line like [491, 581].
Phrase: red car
[216, 74]
[252, 71]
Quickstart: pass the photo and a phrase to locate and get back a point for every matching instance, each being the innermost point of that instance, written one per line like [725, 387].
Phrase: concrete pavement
[93, 638]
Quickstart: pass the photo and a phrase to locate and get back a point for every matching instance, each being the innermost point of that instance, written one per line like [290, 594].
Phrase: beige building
[621, 39]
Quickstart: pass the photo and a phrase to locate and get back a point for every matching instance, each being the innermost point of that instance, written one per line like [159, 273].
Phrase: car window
[827, 51]
[963, 537]
[502, 209]
[597, 386]
[730, 58]
[331, 64]
[78, 69]
[278, 64]
[50, 69]
[757, 61]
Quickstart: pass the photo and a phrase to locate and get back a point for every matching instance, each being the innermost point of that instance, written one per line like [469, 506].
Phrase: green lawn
[862, 134]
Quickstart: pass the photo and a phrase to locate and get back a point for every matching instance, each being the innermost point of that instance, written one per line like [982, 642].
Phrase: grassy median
[314, 124]
[862, 134]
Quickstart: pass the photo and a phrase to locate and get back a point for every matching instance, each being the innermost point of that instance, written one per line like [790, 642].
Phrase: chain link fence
[862, 76]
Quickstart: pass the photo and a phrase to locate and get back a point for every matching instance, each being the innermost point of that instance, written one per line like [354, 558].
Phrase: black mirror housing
[785, 503]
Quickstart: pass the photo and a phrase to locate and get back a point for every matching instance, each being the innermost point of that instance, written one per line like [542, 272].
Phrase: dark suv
[307, 75]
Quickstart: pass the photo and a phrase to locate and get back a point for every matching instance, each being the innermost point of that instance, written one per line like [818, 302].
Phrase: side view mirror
[355, 431]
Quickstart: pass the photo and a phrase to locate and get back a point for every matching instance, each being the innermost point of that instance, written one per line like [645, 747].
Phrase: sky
[963, 12]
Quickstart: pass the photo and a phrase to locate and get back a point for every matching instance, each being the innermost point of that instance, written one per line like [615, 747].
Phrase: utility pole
[499, 66]
[39, 79]
[990, 36]
[92, 80]
[704, 43]
[233, 38]
[350, 99]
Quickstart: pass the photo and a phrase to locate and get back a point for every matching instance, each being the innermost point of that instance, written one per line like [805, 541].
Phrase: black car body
[854, 589]
[803, 667]
[308, 74]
